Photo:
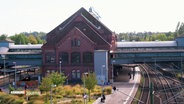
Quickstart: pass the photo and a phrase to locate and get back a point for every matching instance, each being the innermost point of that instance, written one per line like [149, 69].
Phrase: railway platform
[125, 92]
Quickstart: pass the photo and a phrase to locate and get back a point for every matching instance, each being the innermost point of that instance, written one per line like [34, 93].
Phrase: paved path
[125, 91]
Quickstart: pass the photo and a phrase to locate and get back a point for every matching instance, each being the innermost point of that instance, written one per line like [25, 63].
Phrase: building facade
[71, 45]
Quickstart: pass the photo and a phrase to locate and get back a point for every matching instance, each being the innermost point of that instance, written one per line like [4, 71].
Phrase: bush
[10, 99]
[108, 90]
[77, 89]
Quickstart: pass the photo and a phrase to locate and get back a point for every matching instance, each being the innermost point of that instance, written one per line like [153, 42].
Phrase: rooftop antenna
[94, 13]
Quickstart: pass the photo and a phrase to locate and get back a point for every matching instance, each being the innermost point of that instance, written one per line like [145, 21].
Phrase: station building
[74, 45]
[82, 43]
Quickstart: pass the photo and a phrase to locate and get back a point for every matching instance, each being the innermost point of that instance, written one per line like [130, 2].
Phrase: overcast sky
[118, 15]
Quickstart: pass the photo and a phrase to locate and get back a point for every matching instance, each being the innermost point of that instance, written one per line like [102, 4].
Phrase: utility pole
[51, 93]
[151, 94]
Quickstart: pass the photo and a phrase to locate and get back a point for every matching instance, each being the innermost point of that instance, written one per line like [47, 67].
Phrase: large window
[75, 43]
[76, 74]
[63, 57]
[50, 58]
[87, 57]
[75, 58]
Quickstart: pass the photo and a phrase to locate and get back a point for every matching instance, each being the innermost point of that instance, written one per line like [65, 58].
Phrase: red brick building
[73, 43]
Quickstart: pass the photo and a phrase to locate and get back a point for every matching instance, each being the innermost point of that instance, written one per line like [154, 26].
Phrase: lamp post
[60, 66]
[51, 93]
[85, 96]
[113, 61]
[15, 73]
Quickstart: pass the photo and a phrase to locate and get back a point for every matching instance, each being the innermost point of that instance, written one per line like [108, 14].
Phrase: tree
[57, 78]
[20, 39]
[3, 37]
[46, 85]
[90, 81]
[32, 39]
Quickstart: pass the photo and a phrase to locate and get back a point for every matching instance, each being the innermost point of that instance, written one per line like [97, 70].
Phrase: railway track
[145, 93]
[167, 90]
[164, 89]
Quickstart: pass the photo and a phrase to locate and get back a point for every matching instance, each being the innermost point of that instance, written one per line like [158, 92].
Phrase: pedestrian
[129, 75]
[85, 98]
[103, 98]
[133, 72]
[114, 88]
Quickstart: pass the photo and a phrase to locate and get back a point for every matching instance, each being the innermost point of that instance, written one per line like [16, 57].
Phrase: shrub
[77, 89]
[108, 90]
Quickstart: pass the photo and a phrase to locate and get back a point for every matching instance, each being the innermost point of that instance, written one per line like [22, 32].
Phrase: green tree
[46, 85]
[20, 39]
[162, 37]
[3, 37]
[32, 39]
[39, 41]
[57, 78]
[90, 81]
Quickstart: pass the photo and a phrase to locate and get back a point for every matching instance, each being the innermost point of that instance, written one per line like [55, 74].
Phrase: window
[88, 57]
[50, 58]
[75, 58]
[75, 43]
[63, 57]
[78, 74]
[73, 74]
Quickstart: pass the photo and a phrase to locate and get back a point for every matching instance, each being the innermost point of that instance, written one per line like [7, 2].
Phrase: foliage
[3, 37]
[10, 88]
[45, 84]
[108, 90]
[25, 38]
[32, 39]
[10, 99]
[90, 82]
[179, 29]
[57, 78]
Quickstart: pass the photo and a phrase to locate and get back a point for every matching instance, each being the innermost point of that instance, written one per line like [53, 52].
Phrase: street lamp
[60, 66]
[85, 97]
[113, 61]
[15, 73]
[51, 93]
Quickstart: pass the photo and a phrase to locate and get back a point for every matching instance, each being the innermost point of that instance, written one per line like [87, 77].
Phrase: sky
[118, 15]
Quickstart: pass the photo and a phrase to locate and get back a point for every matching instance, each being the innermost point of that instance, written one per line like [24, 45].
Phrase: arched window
[75, 58]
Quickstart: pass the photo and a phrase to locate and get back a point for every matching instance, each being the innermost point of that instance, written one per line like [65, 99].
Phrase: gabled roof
[90, 23]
